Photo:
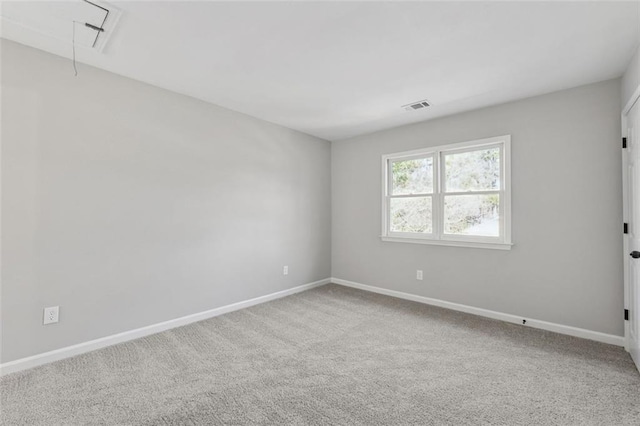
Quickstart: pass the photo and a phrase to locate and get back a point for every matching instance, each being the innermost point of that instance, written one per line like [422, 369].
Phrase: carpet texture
[334, 356]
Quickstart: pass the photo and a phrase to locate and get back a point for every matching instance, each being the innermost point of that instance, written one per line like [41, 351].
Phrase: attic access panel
[56, 20]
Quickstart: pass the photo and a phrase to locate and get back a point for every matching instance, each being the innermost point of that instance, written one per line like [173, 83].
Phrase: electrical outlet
[50, 315]
[419, 275]
[285, 270]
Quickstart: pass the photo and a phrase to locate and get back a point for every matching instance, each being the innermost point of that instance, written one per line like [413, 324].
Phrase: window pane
[473, 170]
[411, 215]
[472, 215]
[412, 176]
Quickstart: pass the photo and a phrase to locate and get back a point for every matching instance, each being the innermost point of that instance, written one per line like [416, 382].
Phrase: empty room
[319, 213]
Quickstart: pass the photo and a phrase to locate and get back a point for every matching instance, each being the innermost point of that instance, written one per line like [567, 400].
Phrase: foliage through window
[452, 195]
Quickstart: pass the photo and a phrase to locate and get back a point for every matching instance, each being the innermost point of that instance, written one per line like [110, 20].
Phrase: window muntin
[452, 193]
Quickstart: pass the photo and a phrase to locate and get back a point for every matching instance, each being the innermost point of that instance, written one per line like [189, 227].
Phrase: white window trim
[438, 237]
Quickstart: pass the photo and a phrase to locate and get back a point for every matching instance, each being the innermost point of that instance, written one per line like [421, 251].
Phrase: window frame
[437, 236]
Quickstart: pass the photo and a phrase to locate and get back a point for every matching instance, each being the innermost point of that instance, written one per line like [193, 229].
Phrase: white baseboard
[544, 325]
[92, 345]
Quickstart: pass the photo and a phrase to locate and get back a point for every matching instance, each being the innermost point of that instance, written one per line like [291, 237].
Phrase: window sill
[450, 243]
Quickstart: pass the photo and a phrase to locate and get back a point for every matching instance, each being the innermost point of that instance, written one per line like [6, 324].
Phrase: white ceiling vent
[92, 20]
[416, 105]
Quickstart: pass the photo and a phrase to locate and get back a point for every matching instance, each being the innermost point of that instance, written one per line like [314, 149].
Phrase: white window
[457, 195]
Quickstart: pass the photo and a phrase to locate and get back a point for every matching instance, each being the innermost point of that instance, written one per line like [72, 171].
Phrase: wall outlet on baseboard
[285, 270]
[50, 315]
[419, 275]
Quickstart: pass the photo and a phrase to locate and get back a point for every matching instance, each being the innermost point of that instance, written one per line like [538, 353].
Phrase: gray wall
[566, 264]
[631, 78]
[127, 205]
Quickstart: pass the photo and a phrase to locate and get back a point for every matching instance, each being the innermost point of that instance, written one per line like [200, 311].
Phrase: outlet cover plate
[51, 315]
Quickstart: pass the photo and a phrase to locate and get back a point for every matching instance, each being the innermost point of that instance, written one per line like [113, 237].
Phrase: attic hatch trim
[108, 26]
[93, 46]
[29, 31]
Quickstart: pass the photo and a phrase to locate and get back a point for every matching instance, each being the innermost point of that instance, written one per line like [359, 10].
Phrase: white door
[633, 203]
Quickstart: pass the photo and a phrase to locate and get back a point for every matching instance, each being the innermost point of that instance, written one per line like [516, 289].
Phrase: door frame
[625, 210]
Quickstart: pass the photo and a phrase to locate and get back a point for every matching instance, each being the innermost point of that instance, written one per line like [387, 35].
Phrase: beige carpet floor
[334, 356]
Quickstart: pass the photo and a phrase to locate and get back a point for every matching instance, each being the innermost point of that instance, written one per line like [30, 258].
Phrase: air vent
[416, 105]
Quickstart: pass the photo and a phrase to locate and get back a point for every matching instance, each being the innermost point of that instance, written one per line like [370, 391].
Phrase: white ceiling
[340, 69]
